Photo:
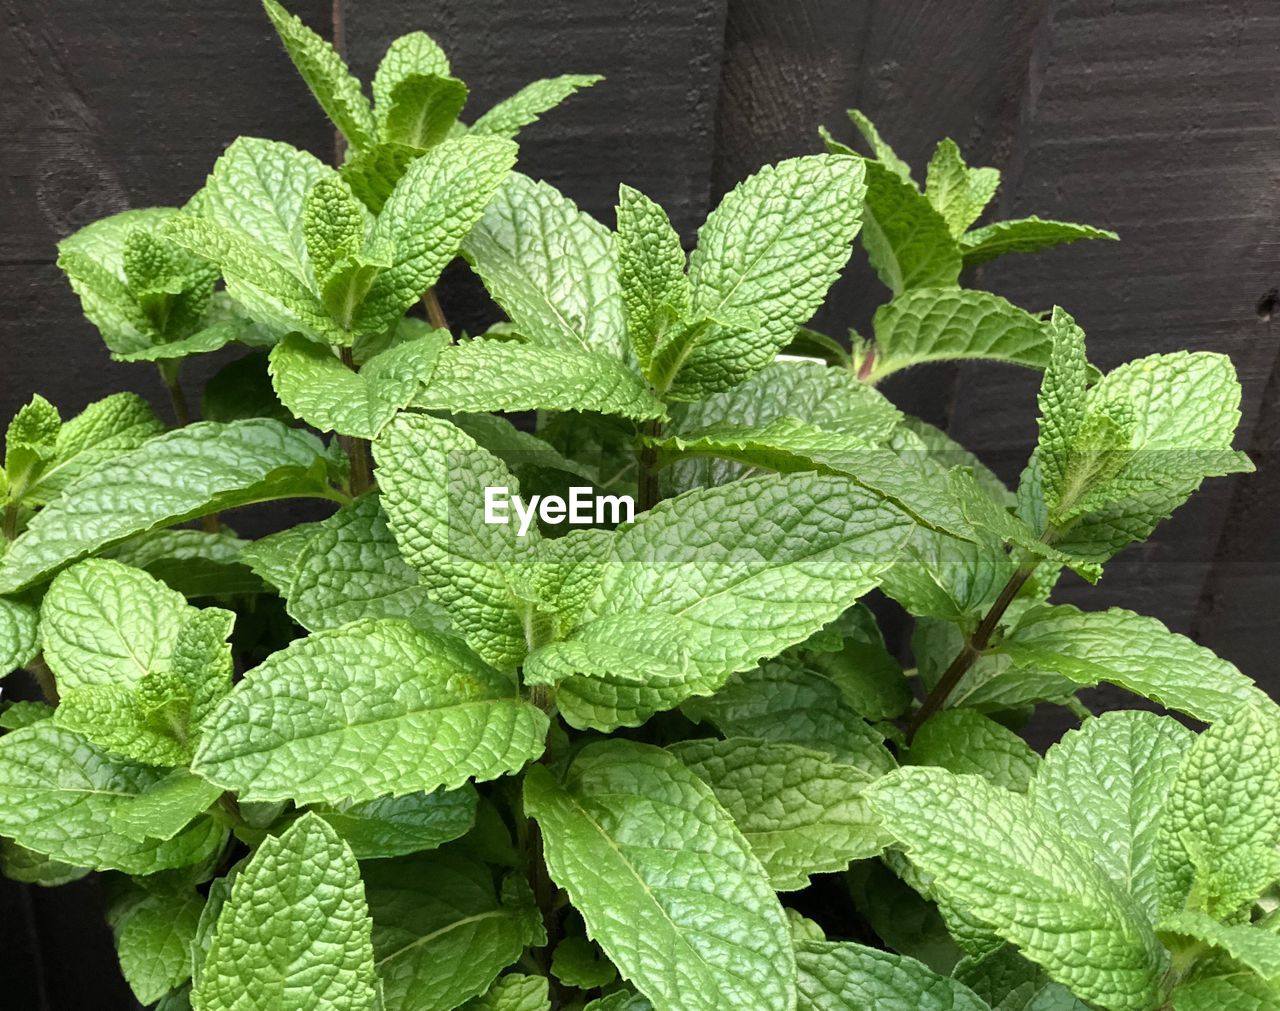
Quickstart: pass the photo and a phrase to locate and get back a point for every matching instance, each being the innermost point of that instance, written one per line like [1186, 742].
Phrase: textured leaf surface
[1024, 235]
[153, 941]
[959, 193]
[19, 633]
[165, 807]
[801, 812]
[1133, 651]
[489, 375]
[941, 324]
[206, 467]
[771, 250]
[1105, 785]
[318, 388]
[509, 116]
[1062, 405]
[396, 826]
[1237, 992]
[965, 741]
[989, 851]
[295, 931]
[907, 241]
[441, 933]
[1249, 945]
[433, 478]
[551, 267]
[372, 709]
[58, 794]
[424, 108]
[651, 270]
[104, 623]
[516, 992]
[838, 977]
[665, 882]
[414, 53]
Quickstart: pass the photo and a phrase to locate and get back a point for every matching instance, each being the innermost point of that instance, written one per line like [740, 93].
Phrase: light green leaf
[431, 210]
[373, 173]
[839, 977]
[1251, 946]
[947, 324]
[164, 808]
[309, 946]
[273, 557]
[965, 741]
[21, 864]
[441, 933]
[1133, 651]
[552, 268]
[1062, 406]
[396, 826]
[879, 147]
[376, 708]
[651, 270]
[1237, 992]
[1105, 785]
[1224, 804]
[113, 717]
[801, 812]
[104, 623]
[203, 468]
[770, 251]
[511, 115]
[433, 478]
[957, 192]
[423, 109]
[515, 992]
[989, 851]
[578, 962]
[620, 1000]
[907, 241]
[58, 795]
[17, 715]
[326, 74]
[153, 941]
[414, 53]
[318, 388]
[19, 633]
[1024, 235]
[667, 885]
[350, 568]
[333, 226]
[492, 375]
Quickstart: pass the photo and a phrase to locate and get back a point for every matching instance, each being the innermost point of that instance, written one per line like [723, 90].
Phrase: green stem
[649, 489]
[178, 398]
[11, 521]
[971, 650]
[357, 450]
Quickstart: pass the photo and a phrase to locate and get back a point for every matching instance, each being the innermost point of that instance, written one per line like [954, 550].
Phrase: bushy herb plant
[666, 763]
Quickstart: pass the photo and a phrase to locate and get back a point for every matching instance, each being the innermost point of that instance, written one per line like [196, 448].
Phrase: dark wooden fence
[1158, 118]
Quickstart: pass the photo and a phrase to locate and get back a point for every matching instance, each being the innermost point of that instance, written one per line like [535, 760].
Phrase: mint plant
[408, 757]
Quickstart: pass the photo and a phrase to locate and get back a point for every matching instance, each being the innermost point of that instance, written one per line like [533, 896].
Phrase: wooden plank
[1156, 119]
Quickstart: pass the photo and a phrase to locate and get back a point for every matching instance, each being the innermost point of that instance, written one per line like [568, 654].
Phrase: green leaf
[651, 270]
[373, 173]
[154, 938]
[17, 715]
[326, 74]
[103, 430]
[907, 241]
[441, 932]
[58, 795]
[620, 1000]
[1105, 784]
[1062, 406]
[1133, 651]
[196, 563]
[511, 115]
[414, 53]
[350, 568]
[551, 267]
[680, 580]
[770, 251]
[1025, 235]
[784, 702]
[431, 210]
[947, 324]
[959, 193]
[104, 623]
[376, 708]
[801, 812]
[333, 226]
[21, 864]
[667, 885]
[965, 741]
[19, 633]
[203, 468]
[1251, 946]
[879, 147]
[113, 717]
[165, 808]
[318, 388]
[989, 851]
[579, 963]
[396, 826]
[308, 946]
[423, 109]
[492, 375]
[837, 977]
[433, 478]
[1223, 805]
[515, 992]
[31, 436]
[1237, 992]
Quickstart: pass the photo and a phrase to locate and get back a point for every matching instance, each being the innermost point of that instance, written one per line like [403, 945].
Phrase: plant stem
[649, 489]
[11, 521]
[181, 412]
[435, 314]
[971, 650]
[357, 450]
[44, 678]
